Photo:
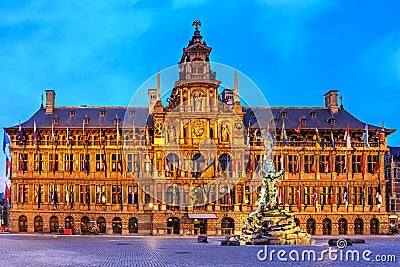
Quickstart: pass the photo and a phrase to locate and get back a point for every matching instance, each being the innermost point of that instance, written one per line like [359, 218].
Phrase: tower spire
[158, 85]
[236, 88]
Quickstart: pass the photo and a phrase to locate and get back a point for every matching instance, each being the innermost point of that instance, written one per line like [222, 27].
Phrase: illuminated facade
[85, 163]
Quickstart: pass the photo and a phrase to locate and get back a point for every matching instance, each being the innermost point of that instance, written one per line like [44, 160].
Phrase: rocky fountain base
[272, 227]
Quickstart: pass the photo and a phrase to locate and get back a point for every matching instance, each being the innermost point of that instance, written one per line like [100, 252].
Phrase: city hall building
[80, 163]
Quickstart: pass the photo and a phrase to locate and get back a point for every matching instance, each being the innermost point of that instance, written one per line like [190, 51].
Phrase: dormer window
[102, 113]
[332, 121]
[56, 120]
[116, 120]
[131, 112]
[72, 113]
[274, 121]
[86, 120]
[313, 114]
[283, 113]
[303, 121]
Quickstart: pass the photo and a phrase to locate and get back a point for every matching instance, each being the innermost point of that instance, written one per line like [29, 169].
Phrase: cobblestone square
[111, 250]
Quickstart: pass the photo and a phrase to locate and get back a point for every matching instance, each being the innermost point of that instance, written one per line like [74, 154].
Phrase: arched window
[227, 226]
[224, 162]
[342, 226]
[297, 222]
[197, 165]
[326, 227]
[172, 165]
[133, 225]
[53, 224]
[69, 221]
[174, 223]
[23, 223]
[101, 222]
[311, 226]
[374, 226]
[38, 224]
[84, 224]
[358, 226]
[117, 225]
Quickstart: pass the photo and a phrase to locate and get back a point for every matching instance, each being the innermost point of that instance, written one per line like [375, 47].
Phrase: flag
[377, 165]
[20, 133]
[345, 196]
[6, 141]
[35, 134]
[66, 194]
[133, 194]
[39, 196]
[174, 194]
[117, 198]
[69, 143]
[281, 161]
[52, 194]
[84, 194]
[332, 140]
[249, 167]
[315, 197]
[316, 138]
[7, 196]
[229, 195]
[283, 134]
[363, 196]
[280, 197]
[21, 167]
[345, 163]
[8, 166]
[365, 136]
[331, 196]
[297, 165]
[248, 135]
[205, 196]
[52, 133]
[192, 194]
[379, 195]
[362, 163]
[329, 163]
[314, 165]
[83, 133]
[21, 193]
[209, 171]
[297, 129]
[298, 199]
[35, 195]
[347, 137]
[382, 134]
[118, 135]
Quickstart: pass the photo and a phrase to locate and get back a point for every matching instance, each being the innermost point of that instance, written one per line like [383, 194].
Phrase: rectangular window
[247, 195]
[357, 196]
[147, 163]
[116, 162]
[371, 195]
[293, 163]
[116, 194]
[23, 162]
[324, 195]
[308, 194]
[323, 163]
[146, 199]
[69, 162]
[53, 164]
[84, 194]
[38, 162]
[309, 164]
[132, 194]
[100, 194]
[340, 195]
[371, 161]
[129, 159]
[38, 193]
[340, 163]
[356, 164]
[292, 195]
[84, 162]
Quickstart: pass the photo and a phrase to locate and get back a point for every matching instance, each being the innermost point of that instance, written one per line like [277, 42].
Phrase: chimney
[50, 101]
[331, 101]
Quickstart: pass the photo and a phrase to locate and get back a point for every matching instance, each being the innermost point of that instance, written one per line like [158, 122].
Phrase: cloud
[285, 21]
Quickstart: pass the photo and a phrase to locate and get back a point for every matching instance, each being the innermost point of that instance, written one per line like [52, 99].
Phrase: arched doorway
[38, 224]
[342, 226]
[227, 226]
[53, 224]
[326, 227]
[311, 226]
[297, 222]
[374, 226]
[133, 225]
[69, 221]
[23, 223]
[201, 224]
[117, 225]
[84, 223]
[101, 223]
[358, 226]
[174, 223]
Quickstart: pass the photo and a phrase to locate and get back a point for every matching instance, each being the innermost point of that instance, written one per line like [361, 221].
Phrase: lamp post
[151, 206]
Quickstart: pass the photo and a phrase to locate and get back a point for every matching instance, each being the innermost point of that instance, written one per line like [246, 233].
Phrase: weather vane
[196, 23]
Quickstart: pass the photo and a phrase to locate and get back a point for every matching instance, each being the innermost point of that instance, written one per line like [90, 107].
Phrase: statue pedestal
[272, 227]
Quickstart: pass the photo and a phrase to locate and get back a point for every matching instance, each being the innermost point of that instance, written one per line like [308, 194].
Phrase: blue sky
[100, 52]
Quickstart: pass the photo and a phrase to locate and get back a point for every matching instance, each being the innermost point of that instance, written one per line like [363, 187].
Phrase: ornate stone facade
[92, 163]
